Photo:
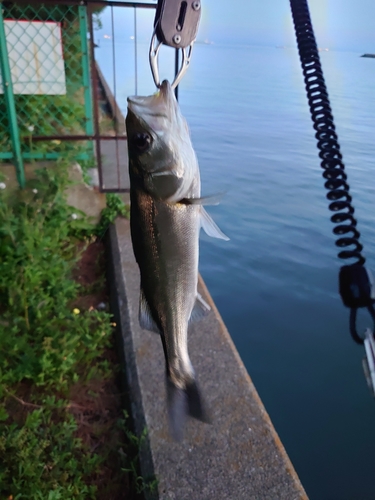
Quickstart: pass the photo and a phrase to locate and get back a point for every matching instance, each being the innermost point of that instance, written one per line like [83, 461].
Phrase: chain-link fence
[54, 99]
[45, 89]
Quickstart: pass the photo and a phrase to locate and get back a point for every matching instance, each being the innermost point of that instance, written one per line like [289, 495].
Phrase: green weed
[47, 346]
[139, 483]
[42, 340]
[115, 207]
[40, 459]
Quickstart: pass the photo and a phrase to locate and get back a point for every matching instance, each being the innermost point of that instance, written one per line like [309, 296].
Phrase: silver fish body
[166, 216]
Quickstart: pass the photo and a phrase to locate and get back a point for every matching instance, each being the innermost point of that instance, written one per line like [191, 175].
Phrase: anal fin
[200, 309]
[146, 320]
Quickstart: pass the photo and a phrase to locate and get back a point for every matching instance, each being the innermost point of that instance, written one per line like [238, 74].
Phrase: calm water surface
[275, 282]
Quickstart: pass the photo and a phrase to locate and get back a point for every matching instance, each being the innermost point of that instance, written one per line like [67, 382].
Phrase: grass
[63, 433]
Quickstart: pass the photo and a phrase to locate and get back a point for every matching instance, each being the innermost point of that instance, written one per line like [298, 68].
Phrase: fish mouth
[166, 90]
[159, 104]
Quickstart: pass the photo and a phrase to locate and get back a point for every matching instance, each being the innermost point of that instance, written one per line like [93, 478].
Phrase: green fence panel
[9, 115]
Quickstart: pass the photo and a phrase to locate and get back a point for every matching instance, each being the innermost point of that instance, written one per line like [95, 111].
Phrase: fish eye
[142, 141]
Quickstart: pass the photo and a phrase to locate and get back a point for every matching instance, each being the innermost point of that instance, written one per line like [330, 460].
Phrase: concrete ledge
[78, 195]
[240, 455]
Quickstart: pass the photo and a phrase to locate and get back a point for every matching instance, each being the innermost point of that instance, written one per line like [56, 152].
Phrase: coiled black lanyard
[355, 280]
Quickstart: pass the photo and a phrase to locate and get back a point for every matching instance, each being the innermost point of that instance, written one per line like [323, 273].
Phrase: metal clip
[368, 362]
[176, 22]
[154, 52]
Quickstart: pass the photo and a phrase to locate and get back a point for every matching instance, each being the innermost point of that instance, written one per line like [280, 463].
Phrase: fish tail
[184, 402]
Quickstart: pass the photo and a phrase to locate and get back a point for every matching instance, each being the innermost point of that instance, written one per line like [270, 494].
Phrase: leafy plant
[140, 483]
[48, 345]
[115, 207]
[40, 459]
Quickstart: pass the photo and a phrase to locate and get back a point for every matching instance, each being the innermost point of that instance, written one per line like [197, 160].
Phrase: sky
[338, 24]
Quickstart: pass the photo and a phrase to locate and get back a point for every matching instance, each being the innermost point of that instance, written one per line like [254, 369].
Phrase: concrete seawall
[240, 455]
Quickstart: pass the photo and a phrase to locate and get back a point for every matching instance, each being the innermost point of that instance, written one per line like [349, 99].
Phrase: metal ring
[186, 56]
[153, 56]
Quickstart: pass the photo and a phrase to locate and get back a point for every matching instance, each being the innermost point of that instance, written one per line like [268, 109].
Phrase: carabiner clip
[368, 362]
[154, 53]
[353, 323]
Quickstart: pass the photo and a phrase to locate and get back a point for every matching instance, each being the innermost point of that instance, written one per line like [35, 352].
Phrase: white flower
[35, 191]
[74, 216]
[30, 128]
[2, 185]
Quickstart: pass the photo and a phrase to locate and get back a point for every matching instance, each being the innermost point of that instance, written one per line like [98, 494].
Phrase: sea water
[275, 282]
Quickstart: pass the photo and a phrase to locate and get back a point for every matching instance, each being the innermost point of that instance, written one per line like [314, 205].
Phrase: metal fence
[45, 91]
[51, 90]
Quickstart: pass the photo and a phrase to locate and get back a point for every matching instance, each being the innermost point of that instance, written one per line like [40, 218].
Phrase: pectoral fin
[213, 199]
[144, 315]
[210, 227]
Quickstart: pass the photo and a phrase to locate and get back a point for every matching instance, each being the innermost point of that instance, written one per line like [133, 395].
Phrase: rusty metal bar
[90, 3]
[115, 190]
[104, 3]
[141, 5]
[75, 138]
[115, 96]
[113, 3]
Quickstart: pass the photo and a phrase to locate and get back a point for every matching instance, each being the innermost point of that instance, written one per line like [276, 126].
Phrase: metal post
[83, 28]
[135, 52]
[176, 68]
[114, 110]
[94, 83]
[10, 104]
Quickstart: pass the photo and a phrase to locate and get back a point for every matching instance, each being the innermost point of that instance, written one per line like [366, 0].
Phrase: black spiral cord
[354, 281]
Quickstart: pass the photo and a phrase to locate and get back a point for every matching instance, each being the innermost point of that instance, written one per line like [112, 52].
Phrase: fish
[166, 215]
